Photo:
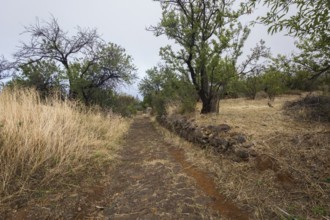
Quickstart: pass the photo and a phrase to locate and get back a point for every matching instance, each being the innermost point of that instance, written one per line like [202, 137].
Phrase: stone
[210, 136]
[243, 154]
[223, 128]
[253, 153]
[218, 142]
[240, 138]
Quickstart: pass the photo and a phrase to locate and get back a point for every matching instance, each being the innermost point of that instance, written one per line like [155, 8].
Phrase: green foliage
[318, 210]
[154, 82]
[310, 17]
[267, 79]
[273, 83]
[314, 56]
[159, 104]
[187, 97]
[310, 23]
[208, 34]
[253, 84]
[299, 81]
[299, 75]
[162, 87]
[113, 67]
[84, 61]
[125, 105]
[235, 88]
[44, 76]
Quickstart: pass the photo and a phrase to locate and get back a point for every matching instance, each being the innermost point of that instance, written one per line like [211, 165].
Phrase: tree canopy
[87, 62]
[309, 21]
[207, 31]
[300, 18]
[162, 87]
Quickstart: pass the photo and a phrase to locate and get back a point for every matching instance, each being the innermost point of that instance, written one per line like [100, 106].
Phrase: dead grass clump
[310, 108]
[43, 141]
[290, 177]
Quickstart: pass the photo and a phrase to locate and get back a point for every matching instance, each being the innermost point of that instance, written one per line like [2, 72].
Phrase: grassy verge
[43, 142]
[299, 187]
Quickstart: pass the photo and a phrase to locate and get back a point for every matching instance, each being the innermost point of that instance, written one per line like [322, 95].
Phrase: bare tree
[50, 42]
[83, 56]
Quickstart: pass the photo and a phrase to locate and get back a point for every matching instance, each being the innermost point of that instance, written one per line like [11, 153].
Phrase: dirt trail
[155, 182]
[151, 181]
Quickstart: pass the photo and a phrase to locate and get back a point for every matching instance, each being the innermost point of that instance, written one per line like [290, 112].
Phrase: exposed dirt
[152, 180]
[208, 186]
[289, 177]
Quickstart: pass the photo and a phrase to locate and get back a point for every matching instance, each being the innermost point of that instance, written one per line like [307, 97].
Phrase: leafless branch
[49, 41]
[252, 63]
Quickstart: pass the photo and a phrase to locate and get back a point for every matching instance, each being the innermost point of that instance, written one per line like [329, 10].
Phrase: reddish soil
[220, 203]
[151, 180]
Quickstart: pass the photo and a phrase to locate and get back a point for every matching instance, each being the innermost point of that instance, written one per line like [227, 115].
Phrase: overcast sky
[119, 21]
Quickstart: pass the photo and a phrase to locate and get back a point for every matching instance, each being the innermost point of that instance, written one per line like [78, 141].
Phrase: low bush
[310, 108]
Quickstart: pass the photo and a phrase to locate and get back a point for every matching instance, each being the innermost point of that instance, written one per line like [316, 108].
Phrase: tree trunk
[210, 105]
[206, 108]
[215, 104]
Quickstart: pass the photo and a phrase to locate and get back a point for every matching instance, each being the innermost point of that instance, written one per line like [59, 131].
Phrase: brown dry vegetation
[45, 142]
[290, 179]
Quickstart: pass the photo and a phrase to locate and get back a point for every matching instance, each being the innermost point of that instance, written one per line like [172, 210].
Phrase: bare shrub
[310, 108]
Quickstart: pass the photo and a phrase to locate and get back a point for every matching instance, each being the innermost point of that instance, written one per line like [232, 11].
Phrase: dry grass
[299, 189]
[42, 142]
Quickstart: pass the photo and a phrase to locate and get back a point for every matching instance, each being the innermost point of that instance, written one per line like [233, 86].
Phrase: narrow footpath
[152, 180]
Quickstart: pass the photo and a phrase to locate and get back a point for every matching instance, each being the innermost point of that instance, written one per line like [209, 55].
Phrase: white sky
[119, 21]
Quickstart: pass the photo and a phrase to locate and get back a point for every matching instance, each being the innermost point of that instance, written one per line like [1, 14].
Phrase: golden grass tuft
[44, 140]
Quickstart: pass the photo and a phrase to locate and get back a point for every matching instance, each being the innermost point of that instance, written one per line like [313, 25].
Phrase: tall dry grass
[299, 189]
[44, 140]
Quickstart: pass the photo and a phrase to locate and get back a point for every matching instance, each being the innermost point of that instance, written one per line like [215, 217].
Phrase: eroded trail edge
[220, 203]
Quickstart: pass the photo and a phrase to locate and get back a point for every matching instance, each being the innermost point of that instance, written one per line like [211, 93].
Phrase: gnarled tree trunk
[210, 104]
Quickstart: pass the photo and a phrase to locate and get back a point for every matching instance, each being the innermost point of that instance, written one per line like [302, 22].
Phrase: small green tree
[112, 68]
[235, 87]
[273, 83]
[125, 105]
[207, 31]
[44, 76]
[253, 83]
[86, 61]
[253, 68]
[162, 86]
